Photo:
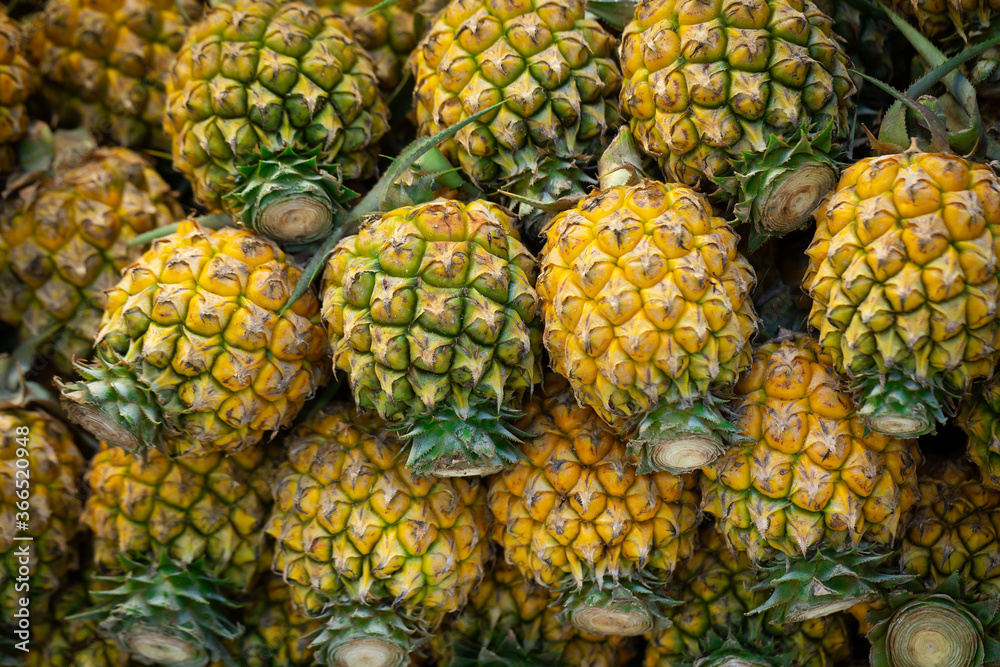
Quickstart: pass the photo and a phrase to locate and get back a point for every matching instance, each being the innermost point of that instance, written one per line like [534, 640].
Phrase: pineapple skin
[809, 475]
[645, 298]
[197, 319]
[707, 82]
[553, 63]
[574, 508]
[257, 76]
[353, 525]
[64, 242]
[55, 466]
[19, 83]
[924, 305]
[103, 64]
[433, 305]
[209, 508]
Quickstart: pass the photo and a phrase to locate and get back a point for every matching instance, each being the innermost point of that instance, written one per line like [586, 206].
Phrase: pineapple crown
[946, 621]
[165, 613]
[826, 582]
[502, 649]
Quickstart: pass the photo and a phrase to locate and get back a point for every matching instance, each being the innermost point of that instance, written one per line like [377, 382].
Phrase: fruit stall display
[584, 333]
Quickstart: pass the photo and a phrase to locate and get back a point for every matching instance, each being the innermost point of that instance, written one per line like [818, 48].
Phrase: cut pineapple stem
[902, 426]
[793, 199]
[685, 452]
[901, 405]
[295, 217]
[624, 618]
[369, 652]
[161, 647]
[932, 633]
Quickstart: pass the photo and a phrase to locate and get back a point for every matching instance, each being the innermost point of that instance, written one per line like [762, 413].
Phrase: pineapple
[388, 34]
[270, 105]
[64, 242]
[52, 504]
[431, 311]
[103, 63]
[647, 312]
[904, 280]
[276, 633]
[19, 82]
[360, 538]
[954, 528]
[575, 510]
[978, 418]
[750, 94]
[194, 354]
[809, 478]
[716, 588]
[63, 641]
[177, 534]
[552, 64]
[506, 603]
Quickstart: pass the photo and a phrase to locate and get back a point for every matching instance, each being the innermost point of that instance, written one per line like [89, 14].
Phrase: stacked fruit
[482, 332]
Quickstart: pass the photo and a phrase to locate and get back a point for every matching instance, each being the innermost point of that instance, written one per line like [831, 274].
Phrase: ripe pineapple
[63, 242]
[575, 510]
[60, 641]
[979, 420]
[19, 82]
[647, 312]
[269, 105]
[193, 355]
[809, 477]
[276, 633]
[955, 527]
[103, 63]
[389, 34]
[554, 67]
[904, 280]
[178, 534]
[53, 503]
[431, 312]
[750, 94]
[716, 589]
[355, 529]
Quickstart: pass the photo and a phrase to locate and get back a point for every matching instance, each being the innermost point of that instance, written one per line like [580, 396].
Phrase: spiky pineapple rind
[165, 612]
[826, 582]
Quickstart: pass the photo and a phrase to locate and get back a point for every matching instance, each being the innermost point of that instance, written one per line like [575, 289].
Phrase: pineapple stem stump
[369, 652]
[792, 201]
[161, 647]
[685, 452]
[900, 405]
[626, 618]
[295, 217]
[931, 635]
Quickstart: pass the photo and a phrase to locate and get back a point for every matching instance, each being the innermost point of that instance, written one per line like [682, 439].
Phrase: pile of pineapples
[499, 332]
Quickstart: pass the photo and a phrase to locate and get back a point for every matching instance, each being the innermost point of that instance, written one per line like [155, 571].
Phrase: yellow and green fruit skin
[645, 298]
[716, 589]
[18, 81]
[575, 508]
[433, 305]
[103, 64]
[210, 510]
[258, 76]
[552, 64]
[196, 317]
[903, 270]
[808, 474]
[353, 525]
[64, 241]
[54, 468]
[706, 83]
